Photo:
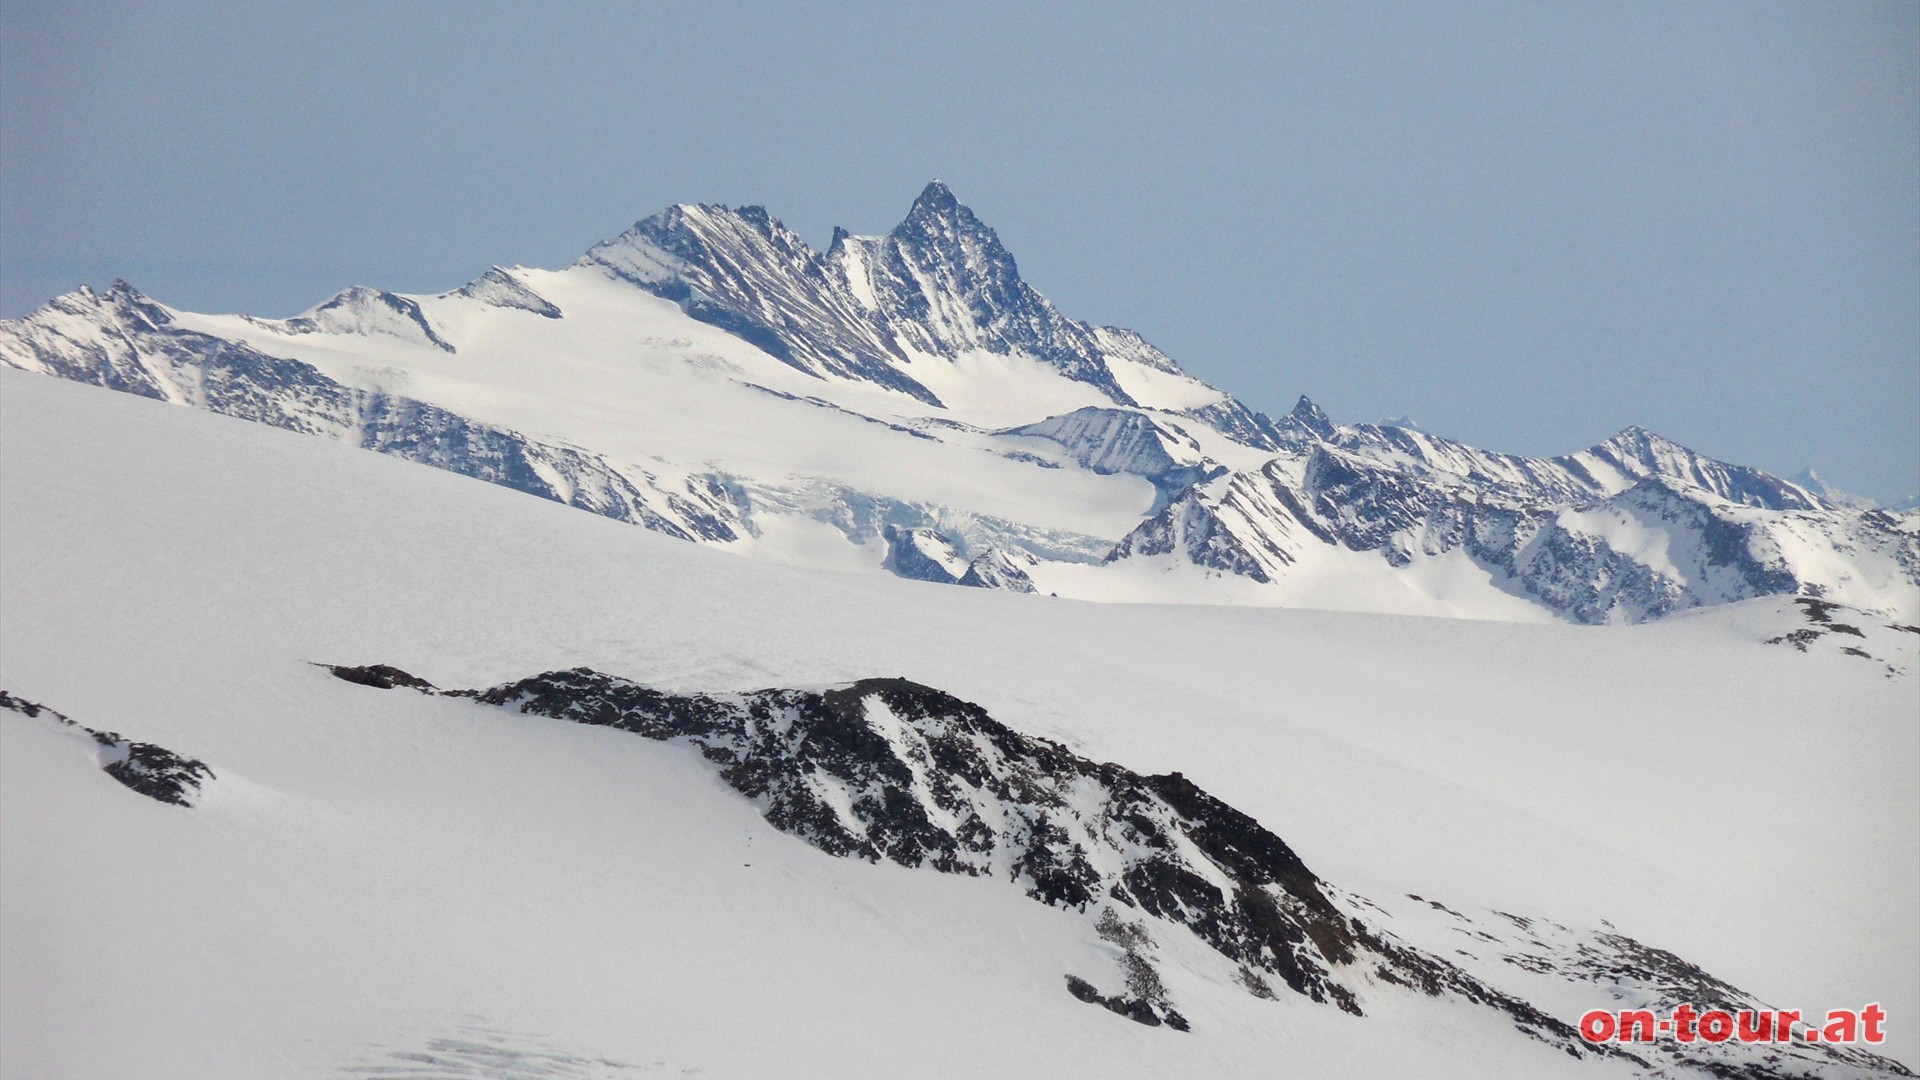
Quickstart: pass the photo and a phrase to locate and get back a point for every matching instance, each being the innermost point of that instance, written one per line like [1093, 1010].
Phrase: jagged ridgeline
[888, 769]
[891, 769]
[709, 375]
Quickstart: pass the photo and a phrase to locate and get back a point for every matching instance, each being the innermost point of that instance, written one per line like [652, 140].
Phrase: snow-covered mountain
[1813, 482]
[319, 764]
[1551, 530]
[909, 403]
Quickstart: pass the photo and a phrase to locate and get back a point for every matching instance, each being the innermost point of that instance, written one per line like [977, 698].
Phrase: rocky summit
[910, 404]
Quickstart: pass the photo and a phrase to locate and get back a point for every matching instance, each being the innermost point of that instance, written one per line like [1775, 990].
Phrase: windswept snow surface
[376, 874]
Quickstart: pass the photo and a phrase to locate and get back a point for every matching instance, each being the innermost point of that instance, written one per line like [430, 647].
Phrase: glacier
[709, 375]
[704, 812]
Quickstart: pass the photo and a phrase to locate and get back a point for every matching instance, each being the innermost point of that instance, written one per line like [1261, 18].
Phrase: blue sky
[1526, 225]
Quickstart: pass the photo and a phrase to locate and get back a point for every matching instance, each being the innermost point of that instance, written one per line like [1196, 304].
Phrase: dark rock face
[1245, 425]
[923, 554]
[996, 570]
[1240, 526]
[1137, 1009]
[1559, 531]
[696, 509]
[920, 554]
[153, 771]
[1824, 631]
[1535, 528]
[748, 274]
[940, 283]
[1633, 455]
[1585, 535]
[888, 769]
[944, 283]
[1308, 418]
[379, 676]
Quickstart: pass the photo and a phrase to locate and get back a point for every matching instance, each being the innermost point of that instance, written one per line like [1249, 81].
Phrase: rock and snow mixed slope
[153, 771]
[377, 879]
[1658, 546]
[709, 375]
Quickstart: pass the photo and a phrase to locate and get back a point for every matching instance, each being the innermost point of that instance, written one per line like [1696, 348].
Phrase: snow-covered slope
[1653, 548]
[371, 879]
[709, 375]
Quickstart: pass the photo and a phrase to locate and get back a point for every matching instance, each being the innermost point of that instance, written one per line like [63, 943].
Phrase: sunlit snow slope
[374, 873]
[708, 375]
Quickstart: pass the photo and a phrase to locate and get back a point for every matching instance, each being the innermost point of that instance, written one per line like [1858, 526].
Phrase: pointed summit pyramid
[1641, 455]
[748, 274]
[939, 284]
[936, 198]
[927, 387]
[942, 242]
[1309, 417]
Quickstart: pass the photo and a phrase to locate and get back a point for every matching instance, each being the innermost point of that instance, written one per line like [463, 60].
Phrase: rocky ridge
[1634, 528]
[889, 769]
[153, 771]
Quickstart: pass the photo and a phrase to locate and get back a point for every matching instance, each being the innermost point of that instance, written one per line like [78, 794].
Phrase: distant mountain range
[907, 403]
[378, 771]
